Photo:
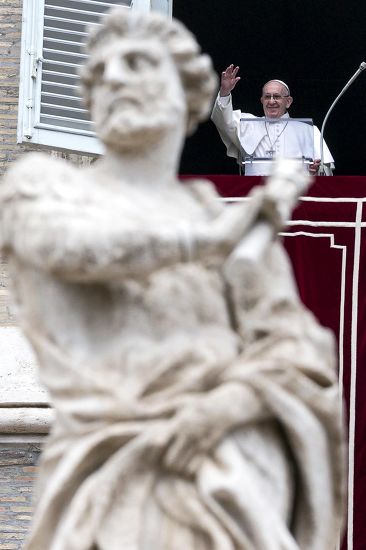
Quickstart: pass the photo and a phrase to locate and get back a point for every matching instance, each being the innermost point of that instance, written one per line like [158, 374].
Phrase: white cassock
[246, 135]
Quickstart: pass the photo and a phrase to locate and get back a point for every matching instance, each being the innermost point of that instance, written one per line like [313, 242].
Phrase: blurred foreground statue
[196, 399]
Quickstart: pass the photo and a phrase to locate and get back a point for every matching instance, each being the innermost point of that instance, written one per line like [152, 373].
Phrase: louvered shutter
[54, 31]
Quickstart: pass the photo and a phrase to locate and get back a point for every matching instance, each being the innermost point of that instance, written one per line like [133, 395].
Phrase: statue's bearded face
[137, 96]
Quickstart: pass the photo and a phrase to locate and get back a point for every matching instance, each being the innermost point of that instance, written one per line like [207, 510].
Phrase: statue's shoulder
[205, 192]
[38, 175]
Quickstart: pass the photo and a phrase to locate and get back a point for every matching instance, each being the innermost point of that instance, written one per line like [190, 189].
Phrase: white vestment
[245, 138]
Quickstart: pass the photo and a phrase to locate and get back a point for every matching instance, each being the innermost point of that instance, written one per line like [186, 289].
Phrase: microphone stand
[352, 79]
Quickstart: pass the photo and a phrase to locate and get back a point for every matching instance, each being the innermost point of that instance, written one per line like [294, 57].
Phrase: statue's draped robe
[271, 484]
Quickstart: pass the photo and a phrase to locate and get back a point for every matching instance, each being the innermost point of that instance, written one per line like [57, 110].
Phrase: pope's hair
[197, 76]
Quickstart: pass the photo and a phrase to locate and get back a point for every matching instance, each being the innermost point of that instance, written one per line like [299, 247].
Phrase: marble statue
[196, 402]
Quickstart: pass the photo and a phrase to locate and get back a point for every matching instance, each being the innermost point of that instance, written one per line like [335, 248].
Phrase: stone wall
[7, 316]
[10, 34]
[17, 473]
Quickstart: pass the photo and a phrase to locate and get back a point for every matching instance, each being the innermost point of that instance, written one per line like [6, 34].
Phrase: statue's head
[145, 75]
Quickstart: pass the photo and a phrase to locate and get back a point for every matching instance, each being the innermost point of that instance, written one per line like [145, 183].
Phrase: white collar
[273, 120]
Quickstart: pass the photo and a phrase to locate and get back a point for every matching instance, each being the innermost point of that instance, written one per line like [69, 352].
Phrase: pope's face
[275, 100]
[137, 95]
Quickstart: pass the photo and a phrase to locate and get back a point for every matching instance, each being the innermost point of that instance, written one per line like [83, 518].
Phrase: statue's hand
[203, 423]
[194, 435]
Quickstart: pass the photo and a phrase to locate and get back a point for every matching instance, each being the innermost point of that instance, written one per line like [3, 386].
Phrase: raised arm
[226, 120]
[54, 220]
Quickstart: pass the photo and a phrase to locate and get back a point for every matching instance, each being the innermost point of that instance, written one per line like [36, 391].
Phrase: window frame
[30, 130]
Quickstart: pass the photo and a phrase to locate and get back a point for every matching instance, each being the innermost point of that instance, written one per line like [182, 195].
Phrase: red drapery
[326, 242]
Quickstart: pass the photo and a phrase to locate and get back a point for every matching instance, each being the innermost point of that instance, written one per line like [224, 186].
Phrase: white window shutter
[50, 109]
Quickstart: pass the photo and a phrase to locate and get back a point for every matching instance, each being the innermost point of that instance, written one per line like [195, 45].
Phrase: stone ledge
[25, 420]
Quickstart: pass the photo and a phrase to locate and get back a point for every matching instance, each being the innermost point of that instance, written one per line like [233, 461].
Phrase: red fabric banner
[326, 242]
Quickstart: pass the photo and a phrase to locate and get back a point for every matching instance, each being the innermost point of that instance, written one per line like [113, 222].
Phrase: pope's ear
[289, 101]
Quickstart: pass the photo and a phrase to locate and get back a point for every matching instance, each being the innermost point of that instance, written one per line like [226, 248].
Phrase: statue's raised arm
[66, 222]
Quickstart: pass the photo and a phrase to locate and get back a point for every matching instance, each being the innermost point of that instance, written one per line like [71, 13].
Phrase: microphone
[352, 79]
